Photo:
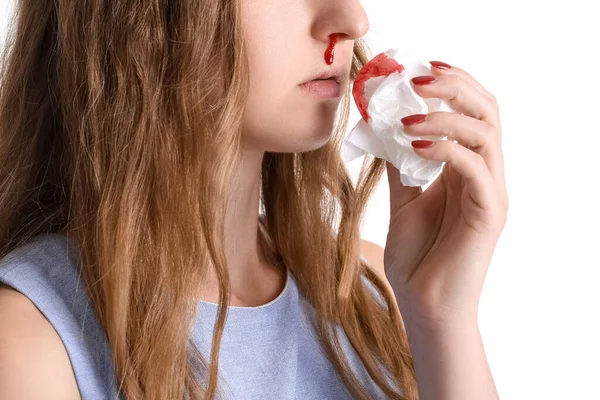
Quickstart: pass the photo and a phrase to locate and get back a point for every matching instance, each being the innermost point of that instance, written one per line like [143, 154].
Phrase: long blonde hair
[121, 122]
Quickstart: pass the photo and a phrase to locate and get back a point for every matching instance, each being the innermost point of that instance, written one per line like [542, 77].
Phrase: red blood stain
[329, 52]
[382, 65]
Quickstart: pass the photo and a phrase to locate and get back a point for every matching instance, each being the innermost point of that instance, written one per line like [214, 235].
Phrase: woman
[178, 223]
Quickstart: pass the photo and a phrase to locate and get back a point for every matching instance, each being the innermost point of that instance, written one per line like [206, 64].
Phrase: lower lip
[326, 88]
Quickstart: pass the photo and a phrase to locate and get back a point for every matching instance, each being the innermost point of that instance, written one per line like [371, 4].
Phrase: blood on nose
[329, 52]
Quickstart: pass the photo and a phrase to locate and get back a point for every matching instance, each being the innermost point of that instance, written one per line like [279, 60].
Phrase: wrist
[437, 320]
[429, 314]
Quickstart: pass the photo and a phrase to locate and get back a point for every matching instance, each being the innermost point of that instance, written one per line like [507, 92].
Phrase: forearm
[450, 363]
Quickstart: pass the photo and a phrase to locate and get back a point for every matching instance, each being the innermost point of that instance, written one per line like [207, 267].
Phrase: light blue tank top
[267, 352]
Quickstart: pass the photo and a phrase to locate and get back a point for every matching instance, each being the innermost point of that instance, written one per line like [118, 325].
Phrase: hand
[440, 242]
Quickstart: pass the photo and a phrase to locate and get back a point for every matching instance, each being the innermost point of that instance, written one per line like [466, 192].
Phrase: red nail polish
[421, 144]
[413, 119]
[423, 80]
[441, 65]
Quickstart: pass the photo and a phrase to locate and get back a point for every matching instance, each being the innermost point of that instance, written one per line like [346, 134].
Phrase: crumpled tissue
[383, 93]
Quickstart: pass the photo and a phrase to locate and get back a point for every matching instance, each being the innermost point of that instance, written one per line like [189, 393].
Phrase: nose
[345, 17]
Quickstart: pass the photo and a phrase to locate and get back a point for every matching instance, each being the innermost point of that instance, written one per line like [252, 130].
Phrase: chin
[300, 143]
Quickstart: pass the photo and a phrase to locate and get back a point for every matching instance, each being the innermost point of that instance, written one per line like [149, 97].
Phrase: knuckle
[481, 165]
[491, 130]
[494, 102]
[501, 213]
[464, 75]
[456, 80]
[503, 218]
[452, 152]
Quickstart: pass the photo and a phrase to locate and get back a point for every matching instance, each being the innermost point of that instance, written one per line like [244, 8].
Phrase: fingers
[471, 166]
[468, 131]
[469, 99]
[478, 136]
[462, 96]
[477, 153]
[495, 118]
[464, 75]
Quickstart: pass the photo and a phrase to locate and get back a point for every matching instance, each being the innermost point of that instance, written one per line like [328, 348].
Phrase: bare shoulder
[34, 363]
[373, 253]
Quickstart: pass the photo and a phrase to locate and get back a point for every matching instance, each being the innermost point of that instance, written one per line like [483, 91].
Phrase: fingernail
[441, 65]
[423, 80]
[421, 144]
[413, 119]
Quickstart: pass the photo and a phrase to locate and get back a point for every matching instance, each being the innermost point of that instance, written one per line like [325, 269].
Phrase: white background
[540, 305]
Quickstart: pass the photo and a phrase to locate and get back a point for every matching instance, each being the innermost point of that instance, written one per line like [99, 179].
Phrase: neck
[254, 279]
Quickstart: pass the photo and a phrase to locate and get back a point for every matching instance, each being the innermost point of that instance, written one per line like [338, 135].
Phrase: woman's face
[286, 44]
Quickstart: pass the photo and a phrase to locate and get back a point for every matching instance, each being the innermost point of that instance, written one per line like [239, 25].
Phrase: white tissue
[391, 98]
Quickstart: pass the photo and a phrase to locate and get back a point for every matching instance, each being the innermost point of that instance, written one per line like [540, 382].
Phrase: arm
[33, 360]
[450, 363]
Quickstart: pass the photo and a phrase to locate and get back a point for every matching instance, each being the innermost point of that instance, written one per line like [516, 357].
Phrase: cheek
[279, 116]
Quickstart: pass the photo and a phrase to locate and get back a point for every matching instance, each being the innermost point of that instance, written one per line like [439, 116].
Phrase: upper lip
[335, 73]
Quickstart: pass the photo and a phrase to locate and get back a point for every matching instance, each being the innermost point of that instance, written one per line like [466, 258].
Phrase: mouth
[330, 75]
[333, 73]
[326, 83]
[323, 88]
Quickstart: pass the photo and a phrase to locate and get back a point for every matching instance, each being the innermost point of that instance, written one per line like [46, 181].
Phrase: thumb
[399, 194]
